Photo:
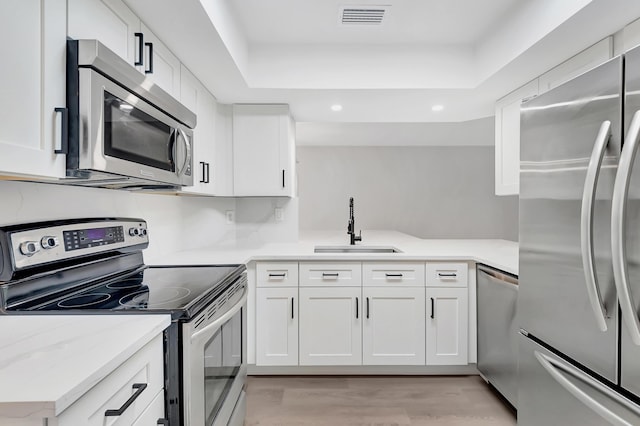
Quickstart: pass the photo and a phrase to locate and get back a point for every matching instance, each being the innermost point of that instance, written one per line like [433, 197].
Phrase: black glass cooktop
[182, 290]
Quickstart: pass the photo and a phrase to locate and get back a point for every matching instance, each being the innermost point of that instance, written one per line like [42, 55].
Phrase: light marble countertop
[47, 362]
[501, 254]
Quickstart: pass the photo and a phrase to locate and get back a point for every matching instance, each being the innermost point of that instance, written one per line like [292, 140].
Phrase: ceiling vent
[362, 15]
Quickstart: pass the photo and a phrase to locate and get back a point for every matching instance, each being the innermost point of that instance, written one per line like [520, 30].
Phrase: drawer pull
[330, 275]
[277, 275]
[140, 387]
[453, 275]
[394, 275]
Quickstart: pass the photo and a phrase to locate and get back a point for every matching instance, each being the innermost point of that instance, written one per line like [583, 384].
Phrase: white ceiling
[442, 22]
[463, 54]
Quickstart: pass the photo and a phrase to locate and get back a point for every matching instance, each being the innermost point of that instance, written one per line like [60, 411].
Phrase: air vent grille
[363, 15]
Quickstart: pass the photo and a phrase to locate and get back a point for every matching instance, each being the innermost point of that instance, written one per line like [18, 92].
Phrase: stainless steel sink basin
[356, 249]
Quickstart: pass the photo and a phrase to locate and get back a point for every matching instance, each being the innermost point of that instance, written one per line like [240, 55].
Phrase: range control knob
[143, 232]
[49, 242]
[133, 231]
[29, 248]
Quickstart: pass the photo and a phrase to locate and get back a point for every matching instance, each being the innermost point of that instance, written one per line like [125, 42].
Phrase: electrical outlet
[279, 214]
[231, 216]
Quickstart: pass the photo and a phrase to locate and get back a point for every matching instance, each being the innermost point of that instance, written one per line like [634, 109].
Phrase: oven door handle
[220, 321]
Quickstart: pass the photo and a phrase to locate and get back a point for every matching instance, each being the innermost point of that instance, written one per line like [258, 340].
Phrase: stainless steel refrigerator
[578, 305]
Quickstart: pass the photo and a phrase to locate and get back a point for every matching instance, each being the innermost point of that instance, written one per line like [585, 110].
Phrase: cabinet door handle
[140, 387]
[330, 275]
[367, 308]
[433, 311]
[208, 175]
[453, 275]
[357, 308]
[393, 275]
[283, 178]
[204, 173]
[149, 70]
[140, 59]
[164, 422]
[292, 307]
[64, 131]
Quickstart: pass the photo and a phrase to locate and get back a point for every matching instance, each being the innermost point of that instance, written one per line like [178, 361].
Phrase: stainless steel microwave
[123, 130]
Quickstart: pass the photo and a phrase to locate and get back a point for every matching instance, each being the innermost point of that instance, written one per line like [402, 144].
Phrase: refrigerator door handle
[618, 223]
[558, 370]
[586, 224]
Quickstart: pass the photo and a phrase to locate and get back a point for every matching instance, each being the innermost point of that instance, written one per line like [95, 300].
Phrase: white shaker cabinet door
[330, 326]
[263, 150]
[109, 21]
[393, 331]
[277, 326]
[197, 98]
[160, 65]
[447, 326]
[32, 86]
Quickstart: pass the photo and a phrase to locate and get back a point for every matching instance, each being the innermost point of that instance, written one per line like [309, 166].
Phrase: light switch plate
[279, 214]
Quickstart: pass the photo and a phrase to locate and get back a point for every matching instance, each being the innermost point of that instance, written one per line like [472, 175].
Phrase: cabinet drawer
[330, 274]
[401, 274]
[447, 274]
[112, 392]
[277, 274]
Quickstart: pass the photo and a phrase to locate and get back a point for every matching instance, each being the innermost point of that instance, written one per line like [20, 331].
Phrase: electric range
[95, 266]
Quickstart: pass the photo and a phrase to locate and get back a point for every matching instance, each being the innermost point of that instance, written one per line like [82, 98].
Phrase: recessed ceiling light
[437, 108]
[336, 107]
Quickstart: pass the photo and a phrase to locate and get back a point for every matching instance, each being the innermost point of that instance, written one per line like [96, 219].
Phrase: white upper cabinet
[109, 21]
[160, 65]
[32, 86]
[263, 151]
[197, 98]
[117, 27]
[507, 150]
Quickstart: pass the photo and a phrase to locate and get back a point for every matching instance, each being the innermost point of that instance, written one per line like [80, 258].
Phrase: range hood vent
[363, 15]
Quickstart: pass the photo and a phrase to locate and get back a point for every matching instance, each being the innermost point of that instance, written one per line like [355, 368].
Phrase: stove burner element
[161, 297]
[82, 300]
[131, 283]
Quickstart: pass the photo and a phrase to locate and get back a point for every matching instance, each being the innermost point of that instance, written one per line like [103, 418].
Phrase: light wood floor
[374, 401]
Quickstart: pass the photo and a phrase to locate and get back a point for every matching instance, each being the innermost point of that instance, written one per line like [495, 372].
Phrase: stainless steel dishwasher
[498, 331]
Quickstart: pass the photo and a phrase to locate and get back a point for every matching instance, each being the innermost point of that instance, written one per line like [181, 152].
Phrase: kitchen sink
[356, 249]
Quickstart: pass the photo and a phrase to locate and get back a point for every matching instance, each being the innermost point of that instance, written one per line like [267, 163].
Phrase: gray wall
[426, 191]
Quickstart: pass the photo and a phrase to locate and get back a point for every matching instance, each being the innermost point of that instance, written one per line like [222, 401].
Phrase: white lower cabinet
[277, 326]
[153, 413]
[330, 326]
[447, 326]
[393, 331]
[139, 380]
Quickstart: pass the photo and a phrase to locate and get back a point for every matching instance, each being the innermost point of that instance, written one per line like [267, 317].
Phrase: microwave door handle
[172, 146]
[187, 149]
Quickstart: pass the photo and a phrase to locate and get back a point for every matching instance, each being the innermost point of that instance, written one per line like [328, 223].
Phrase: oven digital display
[94, 237]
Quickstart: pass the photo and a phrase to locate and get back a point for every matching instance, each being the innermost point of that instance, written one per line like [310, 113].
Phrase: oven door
[120, 133]
[215, 368]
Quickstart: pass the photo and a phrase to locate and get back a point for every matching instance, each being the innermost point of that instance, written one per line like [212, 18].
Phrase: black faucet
[352, 225]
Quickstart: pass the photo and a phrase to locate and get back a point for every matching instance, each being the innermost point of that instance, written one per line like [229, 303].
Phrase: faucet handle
[358, 237]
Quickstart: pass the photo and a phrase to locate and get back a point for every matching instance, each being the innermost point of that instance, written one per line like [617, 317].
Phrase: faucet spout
[351, 226]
